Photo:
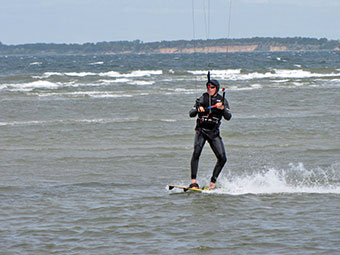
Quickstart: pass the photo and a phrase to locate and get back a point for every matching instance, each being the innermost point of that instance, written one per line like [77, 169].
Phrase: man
[209, 109]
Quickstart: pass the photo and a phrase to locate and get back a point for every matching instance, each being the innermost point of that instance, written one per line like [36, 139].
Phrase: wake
[294, 179]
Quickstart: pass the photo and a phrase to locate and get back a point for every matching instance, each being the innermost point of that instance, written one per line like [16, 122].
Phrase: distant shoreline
[256, 44]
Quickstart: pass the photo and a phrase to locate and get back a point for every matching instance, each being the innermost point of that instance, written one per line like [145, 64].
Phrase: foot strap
[194, 185]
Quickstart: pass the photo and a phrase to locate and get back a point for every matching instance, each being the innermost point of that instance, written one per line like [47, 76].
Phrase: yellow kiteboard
[185, 189]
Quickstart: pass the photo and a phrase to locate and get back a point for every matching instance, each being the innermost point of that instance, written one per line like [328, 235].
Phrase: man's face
[211, 89]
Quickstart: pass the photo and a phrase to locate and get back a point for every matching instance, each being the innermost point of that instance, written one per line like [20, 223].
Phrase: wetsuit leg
[217, 146]
[198, 146]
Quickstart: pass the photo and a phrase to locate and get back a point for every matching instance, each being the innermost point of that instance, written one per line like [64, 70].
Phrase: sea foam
[238, 74]
[27, 86]
[296, 178]
[112, 74]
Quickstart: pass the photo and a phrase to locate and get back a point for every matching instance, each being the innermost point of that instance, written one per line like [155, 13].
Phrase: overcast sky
[80, 21]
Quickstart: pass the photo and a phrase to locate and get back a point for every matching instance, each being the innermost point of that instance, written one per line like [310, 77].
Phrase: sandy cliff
[215, 49]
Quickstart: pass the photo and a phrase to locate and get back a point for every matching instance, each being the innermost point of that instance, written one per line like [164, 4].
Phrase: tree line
[139, 47]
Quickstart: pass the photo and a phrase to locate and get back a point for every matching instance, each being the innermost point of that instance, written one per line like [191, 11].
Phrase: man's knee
[222, 159]
[197, 152]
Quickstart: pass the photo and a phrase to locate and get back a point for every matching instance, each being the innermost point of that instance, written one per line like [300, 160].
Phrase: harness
[208, 122]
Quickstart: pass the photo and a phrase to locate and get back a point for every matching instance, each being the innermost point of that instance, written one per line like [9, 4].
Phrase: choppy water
[89, 143]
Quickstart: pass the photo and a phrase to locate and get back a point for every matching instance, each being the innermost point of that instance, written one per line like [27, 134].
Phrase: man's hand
[220, 106]
[201, 109]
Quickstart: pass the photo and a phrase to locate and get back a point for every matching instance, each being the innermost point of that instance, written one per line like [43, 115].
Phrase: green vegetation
[139, 47]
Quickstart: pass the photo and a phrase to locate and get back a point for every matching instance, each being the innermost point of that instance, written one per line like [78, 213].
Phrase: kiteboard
[185, 189]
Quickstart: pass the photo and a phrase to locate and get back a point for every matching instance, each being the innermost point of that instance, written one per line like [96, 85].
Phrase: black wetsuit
[207, 129]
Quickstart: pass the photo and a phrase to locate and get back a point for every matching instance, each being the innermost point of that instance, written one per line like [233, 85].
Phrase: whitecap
[66, 121]
[121, 80]
[97, 63]
[32, 85]
[79, 94]
[137, 73]
[110, 74]
[110, 95]
[168, 120]
[141, 73]
[236, 74]
[21, 123]
[3, 86]
[80, 74]
[294, 179]
[256, 86]
[142, 83]
[281, 81]
[219, 73]
[183, 90]
[35, 63]
[252, 87]
[49, 74]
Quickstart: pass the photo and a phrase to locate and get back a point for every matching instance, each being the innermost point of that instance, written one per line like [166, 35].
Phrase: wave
[68, 121]
[44, 84]
[97, 63]
[80, 121]
[112, 74]
[238, 74]
[250, 87]
[170, 91]
[168, 120]
[81, 94]
[278, 78]
[79, 74]
[141, 83]
[295, 179]
[279, 75]
[30, 85]
[35, 63]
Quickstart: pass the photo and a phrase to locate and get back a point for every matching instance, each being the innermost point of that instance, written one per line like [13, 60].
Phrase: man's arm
[226, 111]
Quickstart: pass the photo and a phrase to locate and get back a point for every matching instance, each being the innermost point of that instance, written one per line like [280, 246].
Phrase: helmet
[215, 83]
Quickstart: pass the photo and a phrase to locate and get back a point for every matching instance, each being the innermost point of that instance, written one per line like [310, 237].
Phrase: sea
[90, 143]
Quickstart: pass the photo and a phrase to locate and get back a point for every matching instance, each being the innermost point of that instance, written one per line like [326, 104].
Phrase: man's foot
[212, 186]
[194, 186]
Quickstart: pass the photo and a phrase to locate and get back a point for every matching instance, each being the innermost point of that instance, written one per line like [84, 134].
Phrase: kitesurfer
[209, 109]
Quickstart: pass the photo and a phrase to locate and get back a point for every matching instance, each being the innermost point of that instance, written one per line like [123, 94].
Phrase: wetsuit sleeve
[193, 112]
[226, 112]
